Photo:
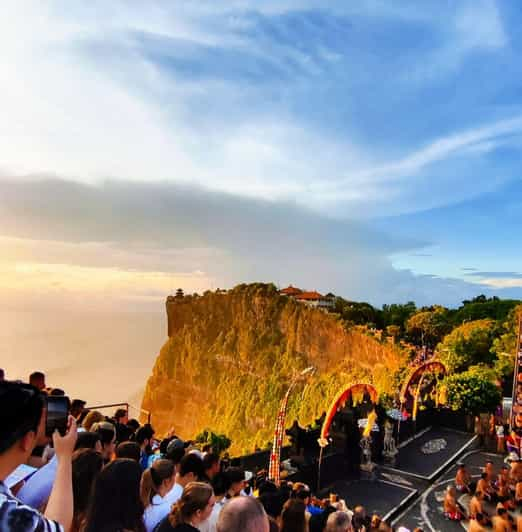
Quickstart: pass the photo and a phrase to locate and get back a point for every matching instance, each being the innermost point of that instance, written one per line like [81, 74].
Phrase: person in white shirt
[219, 485]
[157, 493]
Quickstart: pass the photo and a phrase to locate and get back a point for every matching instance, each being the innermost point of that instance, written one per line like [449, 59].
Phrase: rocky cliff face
[230, 356]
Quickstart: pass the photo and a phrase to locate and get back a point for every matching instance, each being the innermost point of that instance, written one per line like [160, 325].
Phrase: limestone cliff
[230, 356]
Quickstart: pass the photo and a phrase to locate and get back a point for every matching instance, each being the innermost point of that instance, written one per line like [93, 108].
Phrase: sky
[371, 149]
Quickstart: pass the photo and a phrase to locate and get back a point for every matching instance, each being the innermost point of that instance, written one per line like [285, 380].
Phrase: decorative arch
[355, 392]
[434, 366]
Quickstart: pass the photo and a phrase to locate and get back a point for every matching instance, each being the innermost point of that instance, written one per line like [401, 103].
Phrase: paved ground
[426, 511]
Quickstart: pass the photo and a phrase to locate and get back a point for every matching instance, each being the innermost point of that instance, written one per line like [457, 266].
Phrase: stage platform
[420, 461]
[430, 452]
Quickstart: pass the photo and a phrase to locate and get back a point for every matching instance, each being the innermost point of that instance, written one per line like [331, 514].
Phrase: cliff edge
[230, 356]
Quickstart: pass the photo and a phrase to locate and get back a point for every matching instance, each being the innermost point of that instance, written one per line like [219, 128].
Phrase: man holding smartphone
[22, 425]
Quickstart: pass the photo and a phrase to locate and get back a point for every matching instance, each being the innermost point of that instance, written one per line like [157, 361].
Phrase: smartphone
[57, 414]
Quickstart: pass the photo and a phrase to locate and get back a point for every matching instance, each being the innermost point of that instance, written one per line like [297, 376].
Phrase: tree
[218, 442]
[467, 345]
[504, 346]
[471, 393]
[428, 327]
[397, 314]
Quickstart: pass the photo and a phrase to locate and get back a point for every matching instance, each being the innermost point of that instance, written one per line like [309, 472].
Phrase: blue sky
[368, 148]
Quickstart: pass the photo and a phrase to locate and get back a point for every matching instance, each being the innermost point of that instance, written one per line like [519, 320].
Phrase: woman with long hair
[116, 504]
[293, 517]
[86, 466]
[191, 510]
[157, 493]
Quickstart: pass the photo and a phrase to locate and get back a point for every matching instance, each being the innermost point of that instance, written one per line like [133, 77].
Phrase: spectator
[219, 487]
[77, 408]
[121, 418]
[175, 452]
[20, 429]
[339, 522]
[86, 466]
[156, 492]
[190, 470]
[2, 375]
[133, 425]
[128, 449]
[243, 514]
[115, 505]
[293, 518]
[143, 438]
[107, 434]
[91, 418]
[192, 509]
[235, 477]
[37, 379]
[88, 440]
[211, 465]
[360, 521]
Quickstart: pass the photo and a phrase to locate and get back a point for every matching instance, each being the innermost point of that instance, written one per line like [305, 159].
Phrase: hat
[176, 443]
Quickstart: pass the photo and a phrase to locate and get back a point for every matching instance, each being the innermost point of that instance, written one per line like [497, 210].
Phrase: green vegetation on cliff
[230, 356]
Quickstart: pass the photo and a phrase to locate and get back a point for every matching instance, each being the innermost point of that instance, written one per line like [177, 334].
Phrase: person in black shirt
[193, 509]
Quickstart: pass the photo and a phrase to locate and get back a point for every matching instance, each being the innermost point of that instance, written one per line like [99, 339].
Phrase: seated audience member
[463, 479]
[293, 516]
[339, 522]
[91, 418]
[477, 524]
[77, 409]
[121, 418]
[86, 466]
[143, 438]
[218, 484]
[37, 379]
[243, 514]
[107, 434]
[191, 510]
[451, 508]
[115, 505]
[211, 465]
[22, 425]
[235, 477]
[156, 491]
[88, 440]
[129, 449]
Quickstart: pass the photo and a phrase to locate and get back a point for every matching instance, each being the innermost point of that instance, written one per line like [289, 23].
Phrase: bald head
[243, 514]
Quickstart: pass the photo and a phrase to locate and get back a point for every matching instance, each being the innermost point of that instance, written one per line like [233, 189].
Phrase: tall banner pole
[515, 407]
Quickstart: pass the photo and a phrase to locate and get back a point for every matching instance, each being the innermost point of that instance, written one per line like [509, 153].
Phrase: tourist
[211, 465]
[219, 486]
[175, 452]
[463, 479]
[107, 434]
[293, 516]
[20, 430]
[192, 509]
[156, 491]
[116, 505]
[2, 375]
[190, 470]
[86, 466]
[37, 379]
[235, 477]
[77, 409]
[243, 514]
[360, 521]
[339, 522]
[91, 419]
[88, 440]
[451, 508]
[121, 418]
[477, 523]
[143, 438]
[128, 449]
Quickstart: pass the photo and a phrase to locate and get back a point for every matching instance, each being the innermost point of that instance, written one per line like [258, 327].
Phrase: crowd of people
[111, 474]
[492, 498]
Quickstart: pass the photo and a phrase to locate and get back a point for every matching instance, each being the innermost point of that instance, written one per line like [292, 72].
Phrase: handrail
[126, 405]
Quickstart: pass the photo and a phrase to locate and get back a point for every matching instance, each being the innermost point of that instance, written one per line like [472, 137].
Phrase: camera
[57, 415]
